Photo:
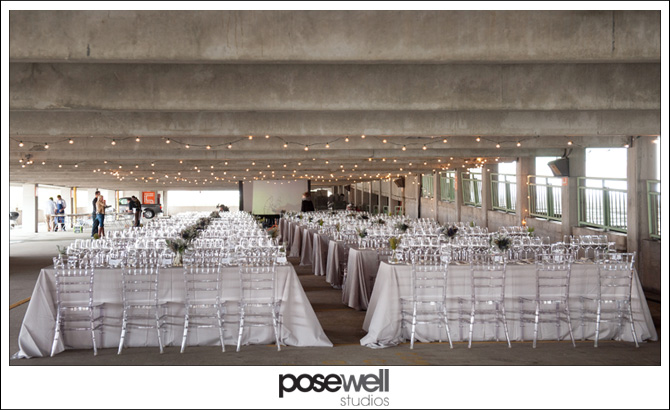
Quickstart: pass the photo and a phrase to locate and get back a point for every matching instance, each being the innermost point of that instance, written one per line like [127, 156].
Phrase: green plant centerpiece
[214, 215]
[380, 221]
[320, 222]
[531, 232]
[178, 247]
[393, 244]
[501, 243]
[362, 234]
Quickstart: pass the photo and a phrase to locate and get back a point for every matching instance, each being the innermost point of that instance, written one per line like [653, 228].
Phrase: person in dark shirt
[95, 214]
[136, 207]
[307, 204]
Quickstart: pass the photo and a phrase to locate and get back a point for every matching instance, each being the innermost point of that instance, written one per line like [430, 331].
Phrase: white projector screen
[272, 197]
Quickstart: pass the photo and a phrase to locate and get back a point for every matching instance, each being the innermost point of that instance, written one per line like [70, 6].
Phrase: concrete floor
[30, 252]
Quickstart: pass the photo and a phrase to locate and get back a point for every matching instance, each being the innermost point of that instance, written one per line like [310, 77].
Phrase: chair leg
[521, 319]
[446, 326]
[581, 312]
[504, 317]
[276, 327]
[56, 334]
[632, 324]
[158, 331]
[91, 324]
[537, 322]
[239, 335]
[567, 314]
[124, 326]
[558, 322]
[472, 324]
[411, 342]
[185, 336]
[221, 323]
[595, 344]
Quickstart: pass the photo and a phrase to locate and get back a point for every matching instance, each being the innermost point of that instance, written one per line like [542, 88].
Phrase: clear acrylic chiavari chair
[259, 303]
[75, 306]
[552, 295]
[204, 307]
[487, 289]
[427, 303]
[615, 283]
[141, 306]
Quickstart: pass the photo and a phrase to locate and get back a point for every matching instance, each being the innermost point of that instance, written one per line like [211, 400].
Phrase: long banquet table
[300, 326]
[382, 321]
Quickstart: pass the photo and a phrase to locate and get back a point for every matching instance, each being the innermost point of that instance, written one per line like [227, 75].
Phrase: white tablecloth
[296, 242]
[307, 247]
[382, 321]
[362, 269]
[300, 325]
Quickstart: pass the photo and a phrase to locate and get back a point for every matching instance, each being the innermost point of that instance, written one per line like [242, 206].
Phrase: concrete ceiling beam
[325, 87]
[334, 36]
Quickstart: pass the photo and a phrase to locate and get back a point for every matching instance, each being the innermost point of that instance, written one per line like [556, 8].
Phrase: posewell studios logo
[333, 383]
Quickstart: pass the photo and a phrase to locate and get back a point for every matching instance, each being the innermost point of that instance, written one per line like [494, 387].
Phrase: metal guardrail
[654, 207]
[603, 203]
[544, 197]
[448, 186]
[472, 189]
[427, 186]
[503, 192]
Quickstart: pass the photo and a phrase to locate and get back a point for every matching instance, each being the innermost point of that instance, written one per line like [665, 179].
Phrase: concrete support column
[379, 198]
[29, 209]
[641, 167]
[437, 193]
[524, 166]
[569, 194]
[165, 203]
[370, 204]
[487, 204]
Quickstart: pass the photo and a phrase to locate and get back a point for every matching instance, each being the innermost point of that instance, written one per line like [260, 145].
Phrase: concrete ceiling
[136, 99]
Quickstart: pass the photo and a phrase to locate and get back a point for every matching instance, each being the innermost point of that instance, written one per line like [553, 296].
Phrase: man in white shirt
[49, 213]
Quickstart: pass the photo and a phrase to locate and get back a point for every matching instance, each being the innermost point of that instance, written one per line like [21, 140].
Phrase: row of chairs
[427, 302]
[77, 309]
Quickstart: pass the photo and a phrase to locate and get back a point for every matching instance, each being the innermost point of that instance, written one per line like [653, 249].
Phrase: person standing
[100, 214]
[307, 204]
[60, 210]
[49, 213]
[94, 214]
[136, 206]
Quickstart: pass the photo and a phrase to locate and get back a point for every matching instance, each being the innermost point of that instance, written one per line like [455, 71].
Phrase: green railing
[427, 186]
[603, 203]
[472, 189]
[654, 207]
[503, 192]
[448, 186]
[544, 197]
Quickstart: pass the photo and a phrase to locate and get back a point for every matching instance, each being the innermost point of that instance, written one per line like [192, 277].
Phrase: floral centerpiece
[362, 234]
[531, 232]
[449, 232]
[402, 227]
[214, 215]
[320, 222]
[363, 217]
[380, 221]
[273, 233]
[501, 242]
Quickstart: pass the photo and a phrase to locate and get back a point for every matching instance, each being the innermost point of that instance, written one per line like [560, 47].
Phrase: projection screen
[272, 197]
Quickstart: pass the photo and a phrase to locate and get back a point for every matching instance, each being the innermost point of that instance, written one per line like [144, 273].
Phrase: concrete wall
[498, 219]
[446, 212]
[649, 266]
[173, 210]
[471, 213]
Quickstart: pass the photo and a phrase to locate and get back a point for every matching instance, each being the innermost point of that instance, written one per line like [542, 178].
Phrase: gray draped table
[362, 269]
[307, 247]
[382, 320]
[300, 326]
[319, 253]
[337, 252]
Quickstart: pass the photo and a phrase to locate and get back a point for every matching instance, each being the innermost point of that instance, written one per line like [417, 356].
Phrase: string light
[285, 145]
[137, 139]
[230, 146]
[478, 139]
[404, 148]
[209, 147]
[346, 139]
[71, 141]
[497, 145]
[363, 136]
[46, 146]
[167, 141]
[306, 148]
[424, 147]
[21, 144]
[569, 142]
[518, 144]
[327, 145]
[113, 142]
[187, 146]
[444, 140]
[251, 137]
[267, 136]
